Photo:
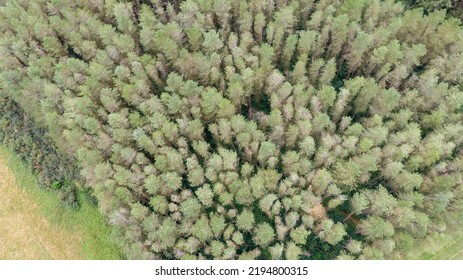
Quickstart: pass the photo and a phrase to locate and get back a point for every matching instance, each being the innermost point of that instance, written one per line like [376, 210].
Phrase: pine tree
[264, 234]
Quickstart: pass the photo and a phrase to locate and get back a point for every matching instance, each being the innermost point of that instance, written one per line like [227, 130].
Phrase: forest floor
[35, 225]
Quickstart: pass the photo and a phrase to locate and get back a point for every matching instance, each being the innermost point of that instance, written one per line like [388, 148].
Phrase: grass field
[35, 225]
[452, 252]
[443, 247]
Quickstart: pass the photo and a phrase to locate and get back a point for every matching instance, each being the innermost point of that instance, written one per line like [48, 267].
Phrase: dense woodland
[262, 129]
[452, 7]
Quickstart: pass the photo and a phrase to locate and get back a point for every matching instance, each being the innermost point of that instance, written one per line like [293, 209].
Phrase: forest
[233, 129]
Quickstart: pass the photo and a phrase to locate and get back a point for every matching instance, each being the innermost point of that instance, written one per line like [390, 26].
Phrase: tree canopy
[248, 129]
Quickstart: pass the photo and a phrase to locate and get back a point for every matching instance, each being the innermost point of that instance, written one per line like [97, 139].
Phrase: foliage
[54, 169]
[248, 129]
[453, 7]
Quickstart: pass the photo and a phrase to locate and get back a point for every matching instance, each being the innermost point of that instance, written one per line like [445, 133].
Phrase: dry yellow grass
[24, 232]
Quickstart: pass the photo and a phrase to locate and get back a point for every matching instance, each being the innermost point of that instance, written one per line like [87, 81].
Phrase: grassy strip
[96, 234]
[445, 246]
[452, 252]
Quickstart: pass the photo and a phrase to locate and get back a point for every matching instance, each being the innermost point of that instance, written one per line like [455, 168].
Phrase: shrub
[54, 169]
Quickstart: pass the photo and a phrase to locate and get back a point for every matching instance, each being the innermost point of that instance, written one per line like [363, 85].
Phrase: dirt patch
[24, 232]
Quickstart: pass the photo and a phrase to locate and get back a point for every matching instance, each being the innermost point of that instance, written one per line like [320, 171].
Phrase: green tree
[264, 234]
[245, 220]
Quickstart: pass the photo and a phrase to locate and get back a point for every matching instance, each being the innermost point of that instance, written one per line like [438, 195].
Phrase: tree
[266, 150]
[217, 248]
[358, 203]
[264, 234]
[299, 235]
[245, 220]
[346, 173]
[331, 232]
[276, 251]
[321, 181]
[205, 195]
[267, 202]
[381, 202]
[292, 251]
[374, 227]
[166, 234]
[201, 229]
[191, 208]
[217, 224]
[354, 246]
[159, 204]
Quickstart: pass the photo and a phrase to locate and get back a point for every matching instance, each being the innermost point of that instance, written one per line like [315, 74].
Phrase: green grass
[97, 242]
[443, 246]
[452, 252]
